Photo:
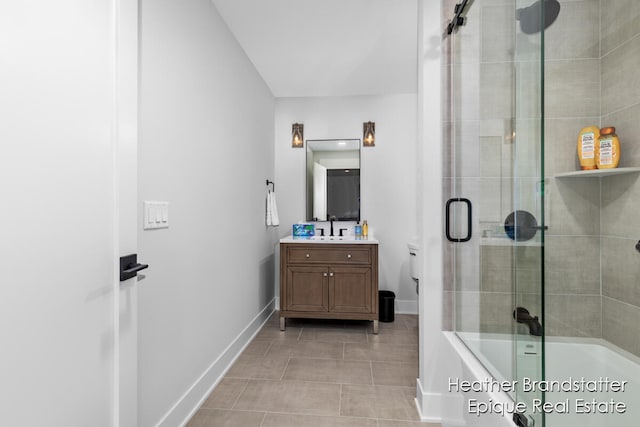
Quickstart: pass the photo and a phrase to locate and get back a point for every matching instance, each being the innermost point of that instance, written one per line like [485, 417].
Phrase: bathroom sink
[328, 239]
[334, 238]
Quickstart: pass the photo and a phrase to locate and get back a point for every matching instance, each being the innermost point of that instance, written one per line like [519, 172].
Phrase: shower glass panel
[495, 189]
[544, 258]
[528, 201]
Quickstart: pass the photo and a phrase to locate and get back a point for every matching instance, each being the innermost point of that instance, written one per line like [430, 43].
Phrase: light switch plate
[156, 215]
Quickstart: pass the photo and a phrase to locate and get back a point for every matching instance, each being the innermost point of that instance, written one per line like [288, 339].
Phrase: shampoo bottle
[608, 149]
[587, 141]
[365, 229]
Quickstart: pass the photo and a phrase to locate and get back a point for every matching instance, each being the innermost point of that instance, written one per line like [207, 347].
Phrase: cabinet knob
[308, 256]
[325, 274]
[331, 274]
[349, 256]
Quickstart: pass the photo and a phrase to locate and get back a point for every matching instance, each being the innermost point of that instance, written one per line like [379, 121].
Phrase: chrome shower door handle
[448, 220]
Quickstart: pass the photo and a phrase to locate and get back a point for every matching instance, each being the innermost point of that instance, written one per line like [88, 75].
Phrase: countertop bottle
[608, 149]
[365, 229]
[587, 141]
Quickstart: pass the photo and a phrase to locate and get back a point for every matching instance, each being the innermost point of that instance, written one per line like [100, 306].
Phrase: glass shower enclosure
[495, 216]
[542, 257]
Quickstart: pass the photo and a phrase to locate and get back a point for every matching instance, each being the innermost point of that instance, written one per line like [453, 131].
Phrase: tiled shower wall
[592, 271]
[620, 195]
[572, 242]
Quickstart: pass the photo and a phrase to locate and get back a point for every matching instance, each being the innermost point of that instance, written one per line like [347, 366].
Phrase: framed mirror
[333, 179]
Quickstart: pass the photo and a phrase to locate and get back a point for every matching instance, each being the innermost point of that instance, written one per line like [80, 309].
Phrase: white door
[126, 168]
[67, 145]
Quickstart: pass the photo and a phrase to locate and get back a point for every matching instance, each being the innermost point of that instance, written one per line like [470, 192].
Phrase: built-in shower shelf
[597, 173]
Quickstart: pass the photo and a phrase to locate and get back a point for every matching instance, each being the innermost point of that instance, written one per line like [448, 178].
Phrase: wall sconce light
[297, 135]
[369, 134]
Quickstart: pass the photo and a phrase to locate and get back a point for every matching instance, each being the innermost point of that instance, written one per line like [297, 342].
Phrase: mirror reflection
[333, 179]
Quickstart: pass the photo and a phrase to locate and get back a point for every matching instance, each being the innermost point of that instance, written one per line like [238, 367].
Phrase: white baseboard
[438, 408]
[428, 405]
[195, 396]
[407, 306]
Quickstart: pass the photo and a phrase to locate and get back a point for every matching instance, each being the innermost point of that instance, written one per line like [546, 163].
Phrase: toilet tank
[414, 260]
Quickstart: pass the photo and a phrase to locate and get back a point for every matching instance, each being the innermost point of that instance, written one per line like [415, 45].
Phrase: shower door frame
[524, 130]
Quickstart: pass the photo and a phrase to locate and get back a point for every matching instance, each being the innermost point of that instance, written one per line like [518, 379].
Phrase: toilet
[414, 262]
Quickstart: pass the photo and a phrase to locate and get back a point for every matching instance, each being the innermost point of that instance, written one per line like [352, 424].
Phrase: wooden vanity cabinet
[329, 281]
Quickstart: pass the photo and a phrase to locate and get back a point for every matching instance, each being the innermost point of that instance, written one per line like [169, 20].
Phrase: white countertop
[325, 239]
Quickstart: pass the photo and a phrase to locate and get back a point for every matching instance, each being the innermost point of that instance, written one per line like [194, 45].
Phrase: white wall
[431, 397]
[206, 147]
[388, 172]
[57, 289]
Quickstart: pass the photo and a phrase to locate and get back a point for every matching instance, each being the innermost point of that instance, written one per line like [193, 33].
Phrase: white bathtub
[571, 359]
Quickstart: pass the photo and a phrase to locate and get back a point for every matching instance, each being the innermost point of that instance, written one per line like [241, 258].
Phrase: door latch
[129, 266]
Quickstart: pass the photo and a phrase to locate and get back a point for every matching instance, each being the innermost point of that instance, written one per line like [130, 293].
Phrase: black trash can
[386, 302]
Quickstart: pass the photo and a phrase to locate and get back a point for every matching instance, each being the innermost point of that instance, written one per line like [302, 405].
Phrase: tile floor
[321, 373]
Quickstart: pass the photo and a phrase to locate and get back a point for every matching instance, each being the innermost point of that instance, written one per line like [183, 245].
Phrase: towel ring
[272, 183]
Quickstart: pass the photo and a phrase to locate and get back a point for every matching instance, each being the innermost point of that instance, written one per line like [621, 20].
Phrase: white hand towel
[275, 221]
[269, 213]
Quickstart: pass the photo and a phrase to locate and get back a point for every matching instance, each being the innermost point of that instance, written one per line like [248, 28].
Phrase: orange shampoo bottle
[608, 149]
[587, 142]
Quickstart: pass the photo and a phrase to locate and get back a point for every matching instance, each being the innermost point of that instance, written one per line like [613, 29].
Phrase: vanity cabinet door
[350, 290]
[307, 289]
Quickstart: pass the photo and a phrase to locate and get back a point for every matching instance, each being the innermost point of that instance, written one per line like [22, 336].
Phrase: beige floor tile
[225, 418]
[359, 325]
[297, 397]
[257, 348]
[389, 423]
[401, 321]
[256, 367]
[381, 352]
[269, 333]
[395, 336]
[339, 335]
[329, 370]
[410, 320]
[225, 394]
[415, 330]
[389, 326]
[286, 420]
[390, 373]
[274, 319]
[391, 403]
[320, 374]
[312, 349]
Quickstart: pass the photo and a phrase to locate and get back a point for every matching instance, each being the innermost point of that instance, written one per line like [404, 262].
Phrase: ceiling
[328, 47]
